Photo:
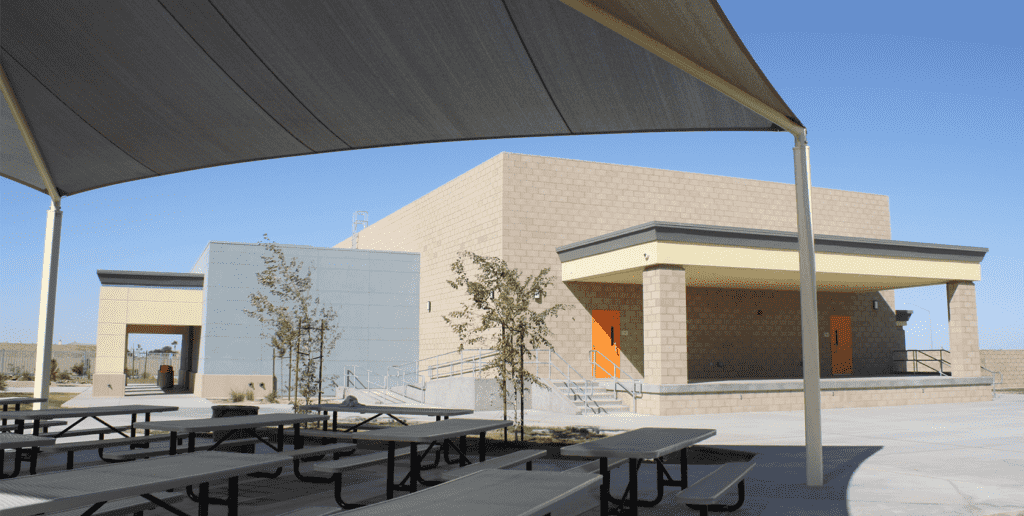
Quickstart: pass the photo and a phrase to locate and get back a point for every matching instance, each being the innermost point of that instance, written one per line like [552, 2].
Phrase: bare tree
[501, 311]
[287, 306]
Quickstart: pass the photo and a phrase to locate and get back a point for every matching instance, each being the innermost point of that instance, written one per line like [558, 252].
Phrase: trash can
[165, 378]
[232, 411]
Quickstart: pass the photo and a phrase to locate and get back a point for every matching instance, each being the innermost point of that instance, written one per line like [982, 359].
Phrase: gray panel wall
[375, 294]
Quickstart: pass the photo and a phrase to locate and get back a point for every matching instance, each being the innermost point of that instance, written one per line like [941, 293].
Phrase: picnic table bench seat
[357, 461]
[88, 431]
[125, 506]
[28, 427]
[310, 432]
[703, 494]
[314, 511]
[309, 453]
[510, 460]
[164, 449]
[339, 466]
[99, 444]
[594, 466]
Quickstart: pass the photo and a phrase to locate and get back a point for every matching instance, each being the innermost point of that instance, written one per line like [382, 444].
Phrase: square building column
[965, 358]
[665, 359]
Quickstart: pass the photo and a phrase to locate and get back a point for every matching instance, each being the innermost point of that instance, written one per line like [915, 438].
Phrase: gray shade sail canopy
[118, 91]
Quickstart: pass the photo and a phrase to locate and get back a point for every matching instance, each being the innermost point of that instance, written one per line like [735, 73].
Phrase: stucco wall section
[1009, 362]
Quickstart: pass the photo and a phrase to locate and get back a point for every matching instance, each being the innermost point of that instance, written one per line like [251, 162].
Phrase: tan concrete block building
[689, 282]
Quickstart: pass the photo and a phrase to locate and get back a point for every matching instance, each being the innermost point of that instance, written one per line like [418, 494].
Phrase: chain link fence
[21, 364]
[147, 364]
[16, 363]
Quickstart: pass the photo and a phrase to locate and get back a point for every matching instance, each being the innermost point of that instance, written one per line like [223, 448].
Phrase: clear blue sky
[920, 101]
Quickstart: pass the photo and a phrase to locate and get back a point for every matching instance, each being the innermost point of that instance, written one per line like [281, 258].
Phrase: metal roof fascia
[150, 279]
[747, 237]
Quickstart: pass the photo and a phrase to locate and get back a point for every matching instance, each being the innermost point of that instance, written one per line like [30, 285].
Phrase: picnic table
[17, 402]
[20, 416]
[390, 411]
[636, 445]
[429, 433]
[380, 410]
[16, 442]
[488, 493]
[90, 488]
[83, 413]
[232, 425]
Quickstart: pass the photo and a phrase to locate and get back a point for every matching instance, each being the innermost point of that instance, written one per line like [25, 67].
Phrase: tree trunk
[522, 389]
[504, 386]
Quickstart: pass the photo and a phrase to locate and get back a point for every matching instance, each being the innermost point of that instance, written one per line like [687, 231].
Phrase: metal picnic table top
[113, 410]
[229, 423]
[488, 493]
[642, 443]
[385, 409]
[11, 441]
[431, 432]
[63, 490]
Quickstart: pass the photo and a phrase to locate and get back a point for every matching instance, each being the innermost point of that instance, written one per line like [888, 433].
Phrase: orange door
[605, 339]
[842, 345]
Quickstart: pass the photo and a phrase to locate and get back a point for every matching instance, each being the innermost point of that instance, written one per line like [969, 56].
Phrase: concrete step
[142, 389]
[606, 402]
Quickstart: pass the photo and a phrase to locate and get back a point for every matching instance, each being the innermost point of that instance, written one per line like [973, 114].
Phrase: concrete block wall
[550, 202]
[1009, 362]
[628, 299]
[522, 207]
[721, 403]
[965, 357]
[463, 214]
[756, 334]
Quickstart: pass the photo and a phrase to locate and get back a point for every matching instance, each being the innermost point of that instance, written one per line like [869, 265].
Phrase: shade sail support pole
[808, 311]
[47, 302]
[51, 247]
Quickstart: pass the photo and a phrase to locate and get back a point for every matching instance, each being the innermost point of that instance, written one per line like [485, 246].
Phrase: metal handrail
[614, 377]
[475, 363]
[370, 384]
[921, 361]
[588, 391]
[994, 372]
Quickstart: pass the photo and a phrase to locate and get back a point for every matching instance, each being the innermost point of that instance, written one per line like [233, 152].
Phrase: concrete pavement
[941, 459]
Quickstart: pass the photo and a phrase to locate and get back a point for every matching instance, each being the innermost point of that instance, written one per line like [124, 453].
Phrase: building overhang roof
[731, 257]
[150, 279]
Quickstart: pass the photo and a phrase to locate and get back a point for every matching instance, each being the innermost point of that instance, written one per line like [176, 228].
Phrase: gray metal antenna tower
[357, 221]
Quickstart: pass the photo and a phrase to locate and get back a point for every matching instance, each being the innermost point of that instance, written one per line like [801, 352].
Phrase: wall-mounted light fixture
[536, 296]
[646, 257]
[492, 294]
[428, 306]
[874, 304]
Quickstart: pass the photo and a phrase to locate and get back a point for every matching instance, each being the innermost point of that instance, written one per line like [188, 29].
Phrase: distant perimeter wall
[1009, 362]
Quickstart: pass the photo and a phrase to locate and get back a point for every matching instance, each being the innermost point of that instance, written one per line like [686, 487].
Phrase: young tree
[502, 312]
[284, 309]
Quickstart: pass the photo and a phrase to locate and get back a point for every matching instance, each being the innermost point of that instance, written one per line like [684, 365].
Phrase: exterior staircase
[605, 400]
[142, 389]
